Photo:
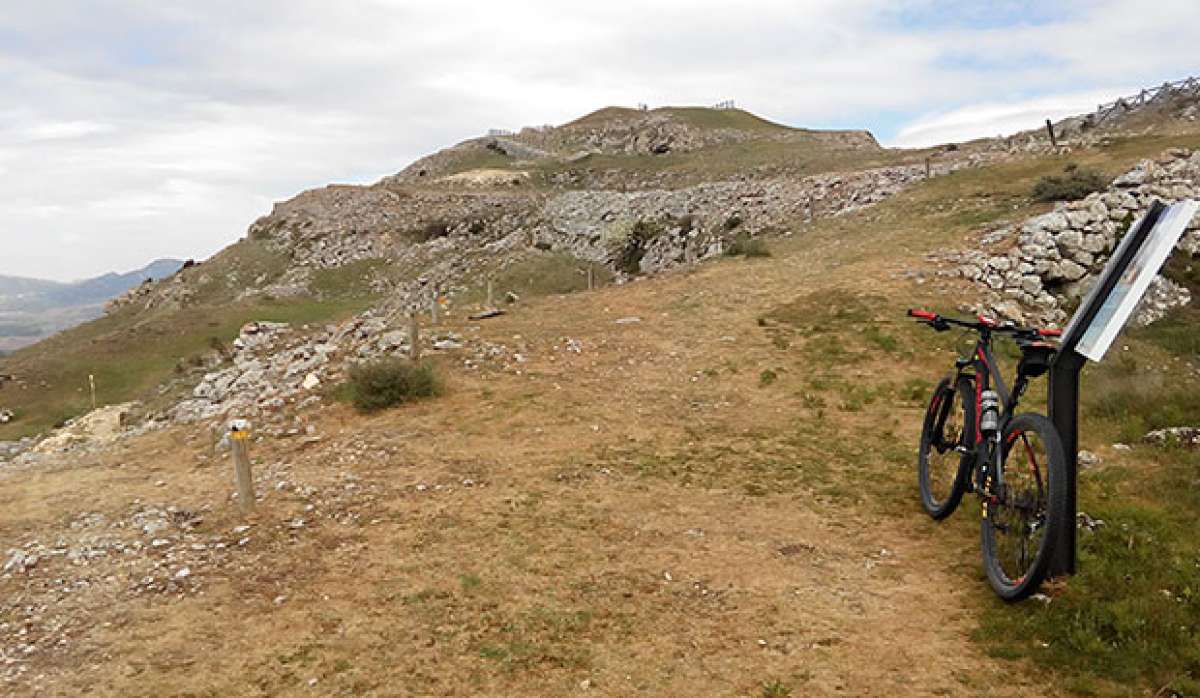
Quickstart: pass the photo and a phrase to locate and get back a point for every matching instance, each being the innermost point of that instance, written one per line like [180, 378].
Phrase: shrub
[629, 258]
[744, 245]
[436, 228]
[384, 383]
[733, 222]
[1075, 183]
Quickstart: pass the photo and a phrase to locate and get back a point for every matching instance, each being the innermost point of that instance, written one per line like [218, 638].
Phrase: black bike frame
[987, 371]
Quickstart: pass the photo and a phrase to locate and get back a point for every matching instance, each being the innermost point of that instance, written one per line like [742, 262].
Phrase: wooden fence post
[239, 439]
[490, 303]
[433, 307]
[414, 337]
[1050, 130]
[591, 277]
[928, 169]
[92, 385]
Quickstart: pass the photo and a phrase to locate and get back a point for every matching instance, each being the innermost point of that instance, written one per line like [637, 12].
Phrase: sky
[137, 129]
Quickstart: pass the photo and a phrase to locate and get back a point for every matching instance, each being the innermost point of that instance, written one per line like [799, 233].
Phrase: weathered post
[414, 337]
[490, 302]
[433, 307]
[928, 169]
[591, 277]
[92, 385]
[1050, 130]
[239, 440]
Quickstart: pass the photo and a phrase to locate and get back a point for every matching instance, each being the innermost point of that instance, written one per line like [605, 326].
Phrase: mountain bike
[973, 440]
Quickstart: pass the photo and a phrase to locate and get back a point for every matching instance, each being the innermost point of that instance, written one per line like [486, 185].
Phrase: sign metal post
[1107, 306]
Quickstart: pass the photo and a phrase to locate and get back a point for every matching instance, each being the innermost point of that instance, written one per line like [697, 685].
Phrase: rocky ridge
[449, 237]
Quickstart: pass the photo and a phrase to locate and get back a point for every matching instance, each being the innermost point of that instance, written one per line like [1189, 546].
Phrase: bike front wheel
[947, 439]
[1023, 517]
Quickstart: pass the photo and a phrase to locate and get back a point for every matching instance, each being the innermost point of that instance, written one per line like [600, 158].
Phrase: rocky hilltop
[655, 202]
[544, 195]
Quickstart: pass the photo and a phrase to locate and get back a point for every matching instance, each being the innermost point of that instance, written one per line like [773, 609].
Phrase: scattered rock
[1188, 437]
[1087, 523]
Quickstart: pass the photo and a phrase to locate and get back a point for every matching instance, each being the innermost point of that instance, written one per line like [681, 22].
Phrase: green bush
[629, 258]
[384, 383]
[744, 245]
[437, 228]
[1075, 183]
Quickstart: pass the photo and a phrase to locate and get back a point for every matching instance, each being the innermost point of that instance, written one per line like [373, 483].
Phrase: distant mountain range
[33, 309]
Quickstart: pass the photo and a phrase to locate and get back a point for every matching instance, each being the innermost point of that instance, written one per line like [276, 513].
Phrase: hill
[694, 479]
[33, 309]
[527, 210]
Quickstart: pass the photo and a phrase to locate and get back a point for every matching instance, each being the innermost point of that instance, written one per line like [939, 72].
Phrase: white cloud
[997, 118]
[56, 130]
[149, 129]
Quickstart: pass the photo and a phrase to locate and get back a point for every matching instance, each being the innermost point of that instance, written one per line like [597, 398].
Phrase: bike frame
[986, 471]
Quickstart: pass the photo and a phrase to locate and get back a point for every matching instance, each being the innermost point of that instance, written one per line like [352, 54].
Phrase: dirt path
[688, 503]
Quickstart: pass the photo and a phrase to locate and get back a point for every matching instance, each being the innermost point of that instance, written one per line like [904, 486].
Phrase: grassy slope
[1130, 620]
[132, 352]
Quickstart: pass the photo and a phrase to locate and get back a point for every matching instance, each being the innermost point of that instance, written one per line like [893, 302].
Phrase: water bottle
[989, 412]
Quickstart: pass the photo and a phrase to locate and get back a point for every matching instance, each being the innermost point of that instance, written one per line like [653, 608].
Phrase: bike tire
[998, 517]
[948, 397]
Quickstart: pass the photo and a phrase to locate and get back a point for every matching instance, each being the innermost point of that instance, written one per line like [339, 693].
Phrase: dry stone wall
[1053, 259]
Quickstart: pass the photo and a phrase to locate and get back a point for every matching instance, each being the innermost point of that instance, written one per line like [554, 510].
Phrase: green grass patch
[132, 353]
[1132, 613]
[353, 280]
[1136, 399]
[543, 274]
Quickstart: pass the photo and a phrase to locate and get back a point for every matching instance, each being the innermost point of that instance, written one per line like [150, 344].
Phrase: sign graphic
[1133, 281]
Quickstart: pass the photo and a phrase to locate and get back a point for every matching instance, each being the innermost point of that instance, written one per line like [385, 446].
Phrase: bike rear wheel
[947, 440]
[1022, 521]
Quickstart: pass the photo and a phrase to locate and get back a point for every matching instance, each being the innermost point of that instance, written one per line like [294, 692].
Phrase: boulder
[1071, 271]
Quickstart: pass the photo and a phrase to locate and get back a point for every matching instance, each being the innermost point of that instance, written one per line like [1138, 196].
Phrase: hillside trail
[635, 508]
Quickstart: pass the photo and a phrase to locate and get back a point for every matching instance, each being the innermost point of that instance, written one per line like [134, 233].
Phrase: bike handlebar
[941, 324]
